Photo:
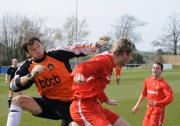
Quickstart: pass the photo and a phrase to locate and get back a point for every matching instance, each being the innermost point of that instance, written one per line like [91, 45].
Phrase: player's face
[35, 50]
[123, 59]
[156, 70]
[14, 62]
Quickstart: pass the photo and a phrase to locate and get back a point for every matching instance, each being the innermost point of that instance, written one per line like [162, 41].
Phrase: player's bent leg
[156, 120]
[9, 101]
[147, 116]
[146, 121]
[10, 96]
[18, 104]
[157, 117]
[26, 103]
[110, 116]
[10, 93]
[121, 122]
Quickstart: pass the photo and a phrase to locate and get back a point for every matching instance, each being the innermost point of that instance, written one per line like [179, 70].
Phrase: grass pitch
[126, 93]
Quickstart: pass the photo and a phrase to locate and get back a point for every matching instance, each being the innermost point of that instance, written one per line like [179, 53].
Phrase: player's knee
[19, 101]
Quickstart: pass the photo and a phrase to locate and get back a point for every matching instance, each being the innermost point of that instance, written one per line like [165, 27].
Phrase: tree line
[16, 29]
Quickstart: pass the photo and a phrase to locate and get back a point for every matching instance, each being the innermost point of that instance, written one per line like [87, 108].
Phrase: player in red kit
[90, 80]
[118, 74]
[158, 93]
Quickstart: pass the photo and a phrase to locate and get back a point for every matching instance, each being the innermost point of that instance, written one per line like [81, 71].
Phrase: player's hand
[103, 41]
[135, 109]
[37, 70]
[153, 103]
[112, 102]
[79, 78]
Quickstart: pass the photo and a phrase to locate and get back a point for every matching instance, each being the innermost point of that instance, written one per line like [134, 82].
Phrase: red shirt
[97, 71]
[158, 91]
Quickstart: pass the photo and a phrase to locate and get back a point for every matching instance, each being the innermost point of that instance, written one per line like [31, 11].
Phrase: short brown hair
[123, 45]
[30, 42]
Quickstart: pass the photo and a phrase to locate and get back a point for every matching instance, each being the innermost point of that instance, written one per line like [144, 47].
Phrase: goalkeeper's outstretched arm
[24, 82]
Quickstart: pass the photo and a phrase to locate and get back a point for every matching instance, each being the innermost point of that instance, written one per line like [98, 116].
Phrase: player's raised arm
[85, 47]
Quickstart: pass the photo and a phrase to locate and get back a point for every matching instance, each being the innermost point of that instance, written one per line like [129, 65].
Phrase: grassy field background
[126, 93]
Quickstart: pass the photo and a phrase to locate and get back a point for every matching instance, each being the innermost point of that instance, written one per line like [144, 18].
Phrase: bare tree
[69, 30]
[51, 37]
[8, 34]
[171, 38]
[125, 27]
[14, 30]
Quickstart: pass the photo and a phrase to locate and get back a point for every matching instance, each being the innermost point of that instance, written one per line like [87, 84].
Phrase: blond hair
[123, 45]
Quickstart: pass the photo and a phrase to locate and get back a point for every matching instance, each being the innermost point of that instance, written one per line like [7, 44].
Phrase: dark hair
[123, 45]
[30, 42]
[160, 64]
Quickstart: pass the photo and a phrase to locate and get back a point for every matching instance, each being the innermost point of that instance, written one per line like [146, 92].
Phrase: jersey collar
[40, 60]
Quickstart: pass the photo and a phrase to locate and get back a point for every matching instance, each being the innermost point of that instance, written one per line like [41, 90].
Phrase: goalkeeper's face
[36, 50]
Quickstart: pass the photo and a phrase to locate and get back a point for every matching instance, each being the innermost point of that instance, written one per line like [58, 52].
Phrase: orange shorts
[88, 112]
[154, 116]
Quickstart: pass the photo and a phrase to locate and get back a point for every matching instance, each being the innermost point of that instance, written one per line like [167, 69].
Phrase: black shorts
[54, 109]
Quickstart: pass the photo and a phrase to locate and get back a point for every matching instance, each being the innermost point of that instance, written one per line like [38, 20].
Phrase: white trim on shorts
[160, 123]
[81, 114]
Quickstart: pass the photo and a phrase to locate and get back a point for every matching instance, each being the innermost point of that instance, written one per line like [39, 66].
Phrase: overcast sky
[100, 14]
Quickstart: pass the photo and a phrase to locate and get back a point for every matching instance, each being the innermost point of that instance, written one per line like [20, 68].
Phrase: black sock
[9, 101]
